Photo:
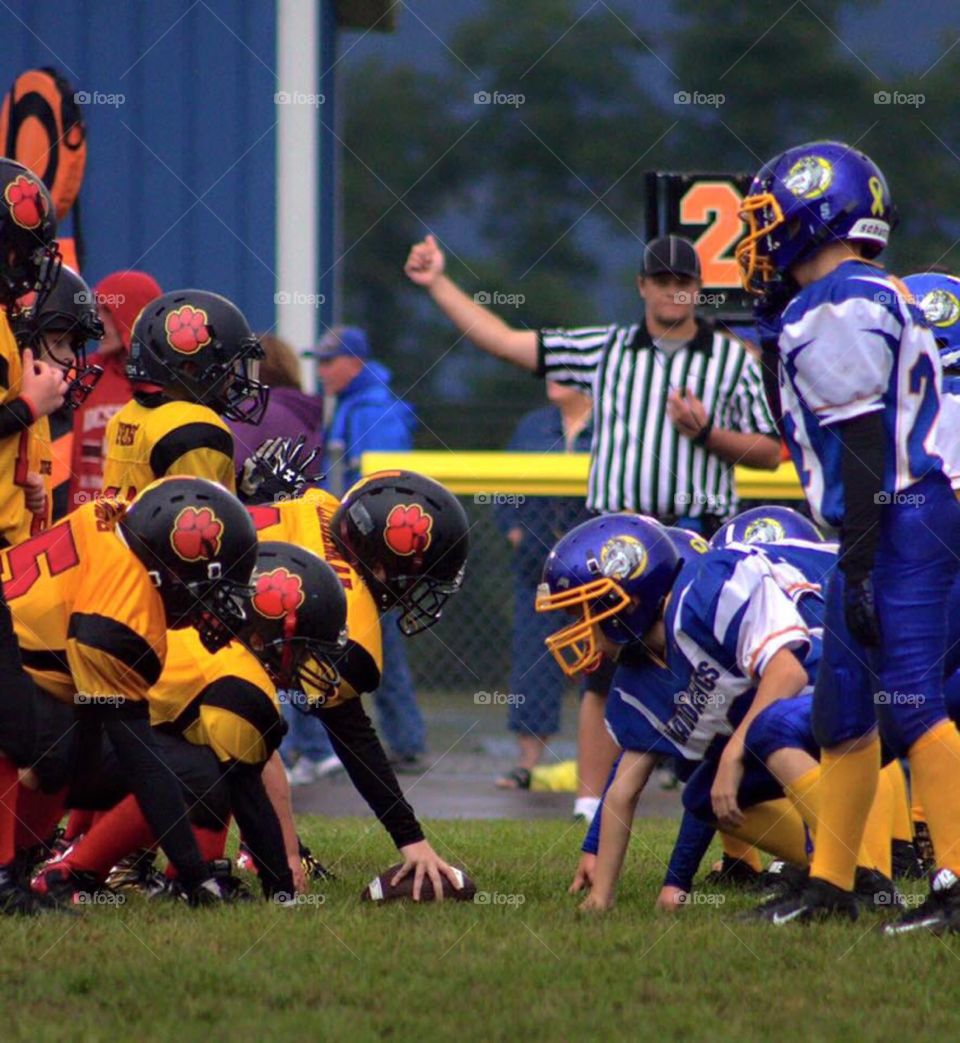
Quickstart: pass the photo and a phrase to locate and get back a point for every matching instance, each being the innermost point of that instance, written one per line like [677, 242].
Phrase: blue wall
[180, 176]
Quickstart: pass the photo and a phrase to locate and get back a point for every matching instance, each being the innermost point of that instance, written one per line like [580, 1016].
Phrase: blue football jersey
[852, 345]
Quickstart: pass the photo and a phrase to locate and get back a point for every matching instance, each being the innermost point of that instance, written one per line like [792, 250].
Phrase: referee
[676, 401]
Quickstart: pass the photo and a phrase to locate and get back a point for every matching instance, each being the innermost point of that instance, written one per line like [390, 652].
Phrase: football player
[92, 598]
[766, 525]
[219, 723]
[732, 632]
[854, 379]
[193, 361]
[398, 541]
[30, 389]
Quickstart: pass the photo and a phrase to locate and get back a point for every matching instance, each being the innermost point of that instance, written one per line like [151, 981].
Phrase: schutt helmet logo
[409, 529]
[27, 203]
[187, 329]
[278, 592]
[196, 535]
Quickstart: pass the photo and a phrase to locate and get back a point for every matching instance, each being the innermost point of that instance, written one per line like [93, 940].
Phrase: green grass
[529, 968]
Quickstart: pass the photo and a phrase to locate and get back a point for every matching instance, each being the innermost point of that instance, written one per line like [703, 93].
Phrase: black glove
[860, 612]
[277, 470]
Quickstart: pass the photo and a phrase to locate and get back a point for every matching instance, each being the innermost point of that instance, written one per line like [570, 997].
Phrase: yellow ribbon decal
[876, 190]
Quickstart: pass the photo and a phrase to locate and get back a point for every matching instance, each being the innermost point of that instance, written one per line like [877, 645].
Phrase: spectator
[368, 417]
[532, 527]
[120, 298]
[676, 403]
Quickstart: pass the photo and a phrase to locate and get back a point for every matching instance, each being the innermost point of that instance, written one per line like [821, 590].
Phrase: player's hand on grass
[425, 262]
[43, 386]
[726, 785]
[671, 899]
[583, 877]
[595, 903]
[300, 884]
[34, 493]
[421, 860]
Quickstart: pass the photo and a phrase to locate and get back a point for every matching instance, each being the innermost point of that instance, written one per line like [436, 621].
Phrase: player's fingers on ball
[451, 874]
[401, 873]
[418, 881]
[437, 883]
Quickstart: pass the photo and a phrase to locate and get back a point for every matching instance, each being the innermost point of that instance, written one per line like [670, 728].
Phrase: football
[381, 890]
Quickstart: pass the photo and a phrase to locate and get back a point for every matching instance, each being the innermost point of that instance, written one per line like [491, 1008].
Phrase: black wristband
[700, 438]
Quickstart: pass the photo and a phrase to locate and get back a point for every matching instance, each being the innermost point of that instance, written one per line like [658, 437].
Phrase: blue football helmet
[614, 572]
[807, 197]
[938, 298]
[687, 543]
[766, 525]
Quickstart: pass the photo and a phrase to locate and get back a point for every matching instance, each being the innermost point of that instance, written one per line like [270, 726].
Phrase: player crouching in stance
[858, 380]
[92, 598]
[217, 723]
[713, 657]
[398, 541]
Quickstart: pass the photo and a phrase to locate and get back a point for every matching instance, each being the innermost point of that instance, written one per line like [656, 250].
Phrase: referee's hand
[425, 262]
[686, 412]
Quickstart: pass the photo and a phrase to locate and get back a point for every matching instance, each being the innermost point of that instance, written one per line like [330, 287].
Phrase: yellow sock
[775, 827]
[804, 795]
[935, 770]
[901, 827]
[875, 850]
[734, 847]
[917, 814]
[848, 784]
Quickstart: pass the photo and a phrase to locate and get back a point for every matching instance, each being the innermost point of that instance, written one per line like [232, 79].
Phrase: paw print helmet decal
[199, 342]
[29, 256]
[408, 537]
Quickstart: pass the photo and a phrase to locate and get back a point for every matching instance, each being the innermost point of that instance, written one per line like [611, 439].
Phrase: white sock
[586, 807]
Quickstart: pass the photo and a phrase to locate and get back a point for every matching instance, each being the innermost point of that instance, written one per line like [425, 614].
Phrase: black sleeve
[259, 827]
[862, 475]
[356, 744]
[770, 367]
[15, 417]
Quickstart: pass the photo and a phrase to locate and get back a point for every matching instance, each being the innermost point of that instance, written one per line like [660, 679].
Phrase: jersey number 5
[56, 545]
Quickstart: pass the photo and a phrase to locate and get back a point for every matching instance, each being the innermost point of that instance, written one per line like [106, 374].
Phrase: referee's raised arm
[488, 331]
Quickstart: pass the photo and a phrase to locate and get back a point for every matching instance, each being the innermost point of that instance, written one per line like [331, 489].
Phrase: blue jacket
[368, 417]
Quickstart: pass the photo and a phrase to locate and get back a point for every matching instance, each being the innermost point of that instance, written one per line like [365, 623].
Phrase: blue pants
[306, 735]
[787, 724]
[901, 683]
[398, 714]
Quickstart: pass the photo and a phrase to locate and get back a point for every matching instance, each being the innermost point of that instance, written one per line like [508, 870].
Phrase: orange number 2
[716, 204]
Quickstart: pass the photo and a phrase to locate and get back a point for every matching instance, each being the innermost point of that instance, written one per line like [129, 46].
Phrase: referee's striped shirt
[640, 462]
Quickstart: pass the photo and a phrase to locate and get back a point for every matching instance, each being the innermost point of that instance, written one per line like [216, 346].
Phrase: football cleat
[137, 872]
[314, 869]
[732, 872]
[778, 881]
[15, 899]
[59, 885]
[876, 892]
[939, 911]
[906, 863]
[819, 900]
[219, 887]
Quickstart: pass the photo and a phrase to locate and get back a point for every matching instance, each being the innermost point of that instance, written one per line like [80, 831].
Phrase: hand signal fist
[425, 262]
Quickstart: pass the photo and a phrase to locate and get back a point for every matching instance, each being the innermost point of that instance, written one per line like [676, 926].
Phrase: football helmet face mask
[29, 255]
[803, 199]
[199, 546]
[611, 573]
[937, 296]
[296, 618]
[766, 525]
[407, 536]
[199, 342]
[69, 310]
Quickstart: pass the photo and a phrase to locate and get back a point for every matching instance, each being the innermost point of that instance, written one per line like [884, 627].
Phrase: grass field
[523, 965]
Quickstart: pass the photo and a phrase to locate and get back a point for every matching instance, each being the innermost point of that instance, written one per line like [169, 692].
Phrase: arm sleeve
[591, 842]
[862, 470]
[259, 827]
[691, 845]
[356, 744]
[770, 366]
[14, 417]
[572, 356]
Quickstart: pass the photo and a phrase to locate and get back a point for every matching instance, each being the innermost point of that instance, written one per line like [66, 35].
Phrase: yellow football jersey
[20, 453]
[143, 443]
[89, 622]
[224, 700]
[305, 522]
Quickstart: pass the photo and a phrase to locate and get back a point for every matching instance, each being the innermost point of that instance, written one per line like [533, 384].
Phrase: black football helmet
[199, 546]
[408, 537]
[296, 618]
[200, 342]
[29, 254]
[69, 307]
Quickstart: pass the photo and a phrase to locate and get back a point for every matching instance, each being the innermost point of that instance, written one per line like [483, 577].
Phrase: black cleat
[875, 892]
[733, 872]
[58, 886]
[136, 873]
[312, 866]
[906, 863]
[15, 898]
[778, 881]
[219, 888]
[819, 900]
[939, 912]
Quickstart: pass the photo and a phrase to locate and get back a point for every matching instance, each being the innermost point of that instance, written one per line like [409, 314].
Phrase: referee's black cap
[671, 254]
